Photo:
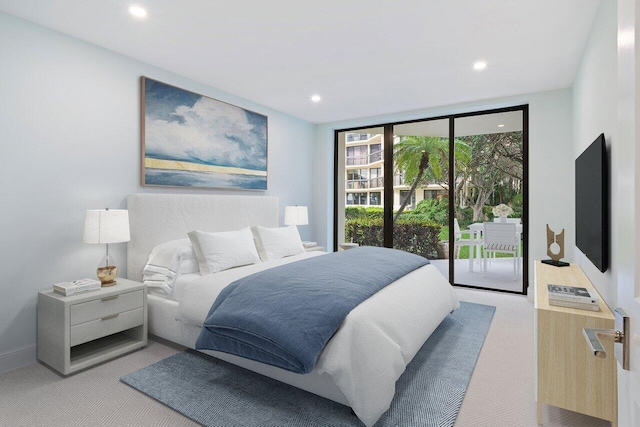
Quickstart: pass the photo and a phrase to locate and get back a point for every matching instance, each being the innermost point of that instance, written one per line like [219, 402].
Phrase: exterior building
[364, 175]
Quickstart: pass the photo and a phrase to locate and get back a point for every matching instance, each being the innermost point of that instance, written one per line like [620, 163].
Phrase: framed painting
[191, 140]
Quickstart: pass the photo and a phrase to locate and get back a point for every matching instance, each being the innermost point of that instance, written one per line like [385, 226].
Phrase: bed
[362, 361]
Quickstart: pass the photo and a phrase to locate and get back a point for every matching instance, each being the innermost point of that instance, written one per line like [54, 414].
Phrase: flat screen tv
[592, 203]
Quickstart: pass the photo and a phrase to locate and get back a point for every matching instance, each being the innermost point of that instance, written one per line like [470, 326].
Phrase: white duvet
[375, 343]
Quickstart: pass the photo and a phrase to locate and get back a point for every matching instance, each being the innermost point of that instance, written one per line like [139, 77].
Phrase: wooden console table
[568, 375]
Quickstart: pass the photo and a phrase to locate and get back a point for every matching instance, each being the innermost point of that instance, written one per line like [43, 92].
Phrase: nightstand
[82, 330]
[315, 248]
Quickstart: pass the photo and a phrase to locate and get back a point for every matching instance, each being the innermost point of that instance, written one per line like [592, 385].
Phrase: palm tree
[421, 158]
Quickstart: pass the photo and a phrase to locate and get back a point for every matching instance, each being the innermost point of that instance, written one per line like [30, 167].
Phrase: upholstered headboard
[158, 218]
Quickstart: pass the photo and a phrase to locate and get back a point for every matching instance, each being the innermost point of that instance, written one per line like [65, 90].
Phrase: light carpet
[215, 393]
[500, 394]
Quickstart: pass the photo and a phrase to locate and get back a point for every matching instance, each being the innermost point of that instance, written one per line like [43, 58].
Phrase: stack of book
[76, 287]
[573, 297]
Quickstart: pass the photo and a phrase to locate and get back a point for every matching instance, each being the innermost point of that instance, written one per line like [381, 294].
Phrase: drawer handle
[111, 316]
[109, 298]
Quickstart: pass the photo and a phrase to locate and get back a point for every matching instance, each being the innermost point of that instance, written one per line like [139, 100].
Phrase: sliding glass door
[430, 186]
[489, 200]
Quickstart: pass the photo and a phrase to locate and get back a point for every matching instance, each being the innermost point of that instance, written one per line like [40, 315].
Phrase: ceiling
[364, 57]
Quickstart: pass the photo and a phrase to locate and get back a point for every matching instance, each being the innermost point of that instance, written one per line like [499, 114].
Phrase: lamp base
[107, 275]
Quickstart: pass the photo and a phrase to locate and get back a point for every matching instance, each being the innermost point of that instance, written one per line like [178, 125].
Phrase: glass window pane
[421, 158]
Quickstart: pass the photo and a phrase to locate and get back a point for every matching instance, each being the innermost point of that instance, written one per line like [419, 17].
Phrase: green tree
[495, 161]
[425, 158]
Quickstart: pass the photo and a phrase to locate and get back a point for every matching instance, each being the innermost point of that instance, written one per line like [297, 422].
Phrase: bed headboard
[158, 218]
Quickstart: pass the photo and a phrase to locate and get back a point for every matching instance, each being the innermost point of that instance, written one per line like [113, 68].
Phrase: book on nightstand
[76, 287]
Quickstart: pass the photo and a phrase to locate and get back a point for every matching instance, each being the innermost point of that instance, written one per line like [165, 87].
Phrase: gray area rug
[215, 393]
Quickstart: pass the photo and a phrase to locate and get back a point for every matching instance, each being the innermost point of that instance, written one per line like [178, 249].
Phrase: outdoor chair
[459, 241]
[509, 220]
[501, 238]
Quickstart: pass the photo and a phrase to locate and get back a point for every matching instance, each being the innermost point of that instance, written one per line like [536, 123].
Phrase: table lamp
[296, 215]
[106, 226]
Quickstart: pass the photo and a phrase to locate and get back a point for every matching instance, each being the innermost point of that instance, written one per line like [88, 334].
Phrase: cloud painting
[195, 141]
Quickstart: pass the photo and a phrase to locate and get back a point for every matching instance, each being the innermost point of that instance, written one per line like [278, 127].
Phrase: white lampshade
[106, 226]
[296, 215]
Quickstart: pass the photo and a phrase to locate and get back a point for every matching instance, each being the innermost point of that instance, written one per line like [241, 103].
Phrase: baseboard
[18, 358]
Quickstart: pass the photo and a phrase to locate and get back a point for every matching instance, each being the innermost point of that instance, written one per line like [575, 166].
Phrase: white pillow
[166, 262]
[220, 251]
[276, 243]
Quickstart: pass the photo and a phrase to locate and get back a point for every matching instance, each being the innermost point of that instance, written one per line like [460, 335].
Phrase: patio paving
[499, 274]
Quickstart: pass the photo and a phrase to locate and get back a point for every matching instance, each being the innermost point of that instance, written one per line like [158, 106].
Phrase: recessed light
[480, 65]
[316, 98]
[500, 126]
[138, 12]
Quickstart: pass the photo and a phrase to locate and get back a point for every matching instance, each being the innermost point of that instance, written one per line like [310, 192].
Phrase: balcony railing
[353, 184]
[399, 180]
[376, 182]
[365, 160]
[356, 184]
[375, 157]
[351, 137]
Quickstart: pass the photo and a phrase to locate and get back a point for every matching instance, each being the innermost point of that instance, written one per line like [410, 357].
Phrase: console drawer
[107, 325]
[101, 307]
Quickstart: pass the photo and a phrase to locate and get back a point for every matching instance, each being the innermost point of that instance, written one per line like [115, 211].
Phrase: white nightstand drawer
[109, 324]
[99, 308]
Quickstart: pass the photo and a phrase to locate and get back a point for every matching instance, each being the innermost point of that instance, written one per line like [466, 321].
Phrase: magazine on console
[572, 294]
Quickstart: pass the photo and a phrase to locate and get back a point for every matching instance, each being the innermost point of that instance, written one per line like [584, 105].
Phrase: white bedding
[377, 340]
[178, 287]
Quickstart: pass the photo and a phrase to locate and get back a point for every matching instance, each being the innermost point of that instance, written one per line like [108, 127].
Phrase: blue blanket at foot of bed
[285, 316]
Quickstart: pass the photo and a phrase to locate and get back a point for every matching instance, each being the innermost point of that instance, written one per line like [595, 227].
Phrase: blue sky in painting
[181, 125]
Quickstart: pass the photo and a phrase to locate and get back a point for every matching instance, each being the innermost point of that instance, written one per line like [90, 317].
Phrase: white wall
[551, 155]
[69, 129]
[595, 111]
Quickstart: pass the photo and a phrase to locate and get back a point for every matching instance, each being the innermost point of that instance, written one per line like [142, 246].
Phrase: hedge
[353, 212]
[413, 235]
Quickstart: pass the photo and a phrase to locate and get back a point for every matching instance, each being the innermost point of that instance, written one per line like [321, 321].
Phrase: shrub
[434, 210]
[354, 212]
[411, 233]
[465, 216]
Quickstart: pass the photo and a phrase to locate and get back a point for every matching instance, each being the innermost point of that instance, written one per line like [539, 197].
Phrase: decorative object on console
[502, 211]
[296, 215]
[106, 226]
[555, 240]
[191, 140]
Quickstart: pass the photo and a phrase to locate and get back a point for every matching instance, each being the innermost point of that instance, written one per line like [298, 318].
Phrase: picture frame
[192, 140]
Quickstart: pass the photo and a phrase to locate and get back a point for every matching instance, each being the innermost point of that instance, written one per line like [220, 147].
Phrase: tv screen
[592, 222]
